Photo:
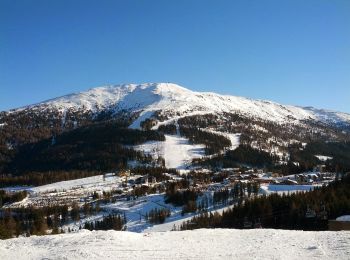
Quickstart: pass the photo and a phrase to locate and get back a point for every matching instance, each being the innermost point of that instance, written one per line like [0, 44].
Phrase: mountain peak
[148, 98]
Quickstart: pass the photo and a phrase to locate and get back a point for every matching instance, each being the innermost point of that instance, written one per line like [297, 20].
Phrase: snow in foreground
[198, 244]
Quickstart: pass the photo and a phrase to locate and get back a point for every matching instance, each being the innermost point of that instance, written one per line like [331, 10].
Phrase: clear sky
[293, 52]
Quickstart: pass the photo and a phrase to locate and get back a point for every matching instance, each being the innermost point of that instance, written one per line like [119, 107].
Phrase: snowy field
[107, 180]
[285, 189]
[178, 220]
[198, 244]
[135, 211]
[72, 190]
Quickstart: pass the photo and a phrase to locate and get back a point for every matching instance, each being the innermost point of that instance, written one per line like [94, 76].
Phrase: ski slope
[88, 182]
[176, 150]
[198, 244]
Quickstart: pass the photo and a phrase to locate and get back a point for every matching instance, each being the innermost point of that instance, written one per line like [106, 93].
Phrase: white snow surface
[176, 150]
[323, 157]
[197, 244]
[285, 189]
[151, 97]
[88, 182]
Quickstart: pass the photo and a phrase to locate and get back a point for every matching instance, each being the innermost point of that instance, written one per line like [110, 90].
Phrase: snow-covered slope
[177, 151]
[151, 97]
[198, 244]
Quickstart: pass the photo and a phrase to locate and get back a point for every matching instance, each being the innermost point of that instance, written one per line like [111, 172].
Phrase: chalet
[319, 168]
[245, 177]
[152, 180]
[265, 180]
[236, 170]
[124, 173]
[143, 180]
[289, 182]
[275, 175]
[255, 175]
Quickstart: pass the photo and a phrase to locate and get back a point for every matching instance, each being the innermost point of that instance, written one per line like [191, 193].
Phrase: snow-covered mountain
[149, 98]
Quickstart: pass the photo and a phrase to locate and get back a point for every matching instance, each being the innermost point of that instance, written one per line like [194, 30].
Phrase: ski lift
[323, 213]
[247, 223]
[310, 213]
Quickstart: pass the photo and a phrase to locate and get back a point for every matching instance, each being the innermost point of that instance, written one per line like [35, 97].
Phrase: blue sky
[293, 52]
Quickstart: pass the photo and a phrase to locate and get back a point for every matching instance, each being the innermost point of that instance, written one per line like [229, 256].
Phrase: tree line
[157, 216]
[98, 147]
[214, 143]
[11, 197]
[243, 155]
[41, 220]
[112, 221]
[42, 178]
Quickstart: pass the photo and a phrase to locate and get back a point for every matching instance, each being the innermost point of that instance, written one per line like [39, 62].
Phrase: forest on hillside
[97, 147]
[300, 160]
[301, 211]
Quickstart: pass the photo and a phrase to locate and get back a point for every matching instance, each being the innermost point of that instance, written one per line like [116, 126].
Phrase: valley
[159, 157]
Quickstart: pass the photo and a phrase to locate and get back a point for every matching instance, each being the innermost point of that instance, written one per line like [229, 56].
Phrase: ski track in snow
[197, 244]
[176, 150]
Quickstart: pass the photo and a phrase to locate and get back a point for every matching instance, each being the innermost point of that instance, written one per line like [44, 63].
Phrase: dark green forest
[214, 143]
[98, 147]
[243, 155]
[300, 211]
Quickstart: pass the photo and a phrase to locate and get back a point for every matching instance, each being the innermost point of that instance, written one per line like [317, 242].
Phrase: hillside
[199, 244]
[201, 127]
[152, 97]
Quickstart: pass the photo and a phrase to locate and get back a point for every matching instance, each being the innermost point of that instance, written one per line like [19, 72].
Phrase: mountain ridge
[55, 129]
[148, 98]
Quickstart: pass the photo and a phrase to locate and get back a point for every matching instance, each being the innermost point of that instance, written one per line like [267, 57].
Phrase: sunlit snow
[151, 97]
[197, 244]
